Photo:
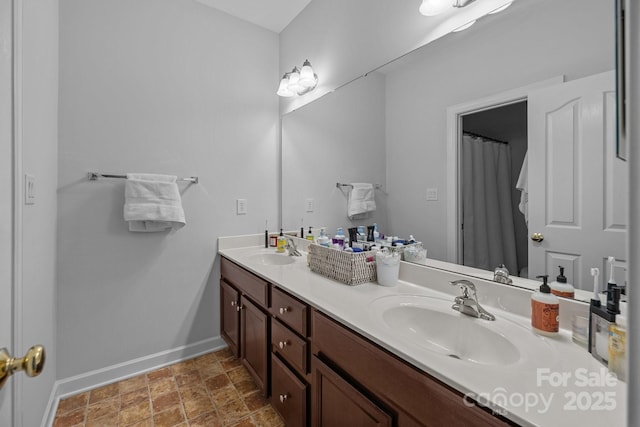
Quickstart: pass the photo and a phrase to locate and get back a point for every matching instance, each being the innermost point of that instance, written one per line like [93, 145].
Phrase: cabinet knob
[239, 307]
[284, 310]
[233, 303]
[282, 344]
[283, 397]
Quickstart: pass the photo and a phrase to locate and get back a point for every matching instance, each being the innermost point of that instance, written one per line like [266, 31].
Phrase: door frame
[454, 138]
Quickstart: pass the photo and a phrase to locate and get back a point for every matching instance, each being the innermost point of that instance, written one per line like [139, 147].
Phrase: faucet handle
[466, 286]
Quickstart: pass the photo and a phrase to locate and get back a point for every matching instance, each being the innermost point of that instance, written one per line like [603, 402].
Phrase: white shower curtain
[489, 233]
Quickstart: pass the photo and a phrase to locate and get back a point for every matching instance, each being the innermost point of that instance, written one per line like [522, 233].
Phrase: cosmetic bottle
[618, 344]
[593, 304]
[602, 318]
[362, 235]
[323, 239]
[310, 235]
[338, 240]
[560, 287]
[376, 234]
[545, 310]
[282, 242]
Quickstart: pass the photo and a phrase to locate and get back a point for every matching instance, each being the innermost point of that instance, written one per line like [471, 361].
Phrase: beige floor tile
[132, 384]
[104, 392]
[233, 412]
[162, 386]
[170, 417]
[135, 413]
[72, 418]
[74, 402]
[165, 401]
[158, 374]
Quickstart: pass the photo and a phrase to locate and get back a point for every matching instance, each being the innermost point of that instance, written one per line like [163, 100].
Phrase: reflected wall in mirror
[402, 143]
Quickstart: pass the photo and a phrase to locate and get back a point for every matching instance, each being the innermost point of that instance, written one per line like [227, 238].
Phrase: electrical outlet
[309, 205]
[432, 194]
[241, 206]
[29, 189]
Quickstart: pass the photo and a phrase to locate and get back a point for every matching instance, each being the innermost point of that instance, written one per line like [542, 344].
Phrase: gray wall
[157, 86]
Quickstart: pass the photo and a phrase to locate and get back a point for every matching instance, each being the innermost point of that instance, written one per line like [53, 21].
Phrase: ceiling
[273, 15]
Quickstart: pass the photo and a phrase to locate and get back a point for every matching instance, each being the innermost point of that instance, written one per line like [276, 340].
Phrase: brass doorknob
[537, 237]
[32, 363]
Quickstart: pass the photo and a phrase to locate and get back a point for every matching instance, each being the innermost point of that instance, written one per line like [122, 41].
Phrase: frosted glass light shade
[294, 80]
[434, 7]
[283, 88]
[307, 77]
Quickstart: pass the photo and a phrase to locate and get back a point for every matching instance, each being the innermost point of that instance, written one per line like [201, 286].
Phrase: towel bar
[338, 185]
[95, 175]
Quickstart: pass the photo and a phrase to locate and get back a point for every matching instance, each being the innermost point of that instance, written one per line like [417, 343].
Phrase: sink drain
[455, 356]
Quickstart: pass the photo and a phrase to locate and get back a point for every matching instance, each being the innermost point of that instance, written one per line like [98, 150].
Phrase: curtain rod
[484, 137]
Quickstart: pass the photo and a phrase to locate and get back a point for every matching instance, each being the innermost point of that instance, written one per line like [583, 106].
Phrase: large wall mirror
[530, 92]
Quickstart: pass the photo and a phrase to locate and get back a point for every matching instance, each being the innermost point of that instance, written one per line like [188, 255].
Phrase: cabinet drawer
[291, 347]
[288, 394]
[246, 282]
[289, 310]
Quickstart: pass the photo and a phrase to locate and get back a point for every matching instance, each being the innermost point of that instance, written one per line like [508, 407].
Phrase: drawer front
[291, 347]
[246, 282]
[288, 394]
[289, 310]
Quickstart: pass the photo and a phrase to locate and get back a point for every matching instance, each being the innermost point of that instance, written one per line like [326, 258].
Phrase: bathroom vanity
[328, 354]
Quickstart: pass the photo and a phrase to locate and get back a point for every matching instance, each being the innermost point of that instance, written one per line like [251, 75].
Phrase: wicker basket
[350, 268]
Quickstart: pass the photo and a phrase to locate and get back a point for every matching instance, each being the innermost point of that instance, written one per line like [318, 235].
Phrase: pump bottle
[545, 310]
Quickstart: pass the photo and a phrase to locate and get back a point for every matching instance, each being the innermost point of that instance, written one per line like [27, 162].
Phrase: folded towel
[361, 199]
[152, 203]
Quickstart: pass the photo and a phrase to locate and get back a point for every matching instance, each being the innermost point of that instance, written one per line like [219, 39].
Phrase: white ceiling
[273, 15]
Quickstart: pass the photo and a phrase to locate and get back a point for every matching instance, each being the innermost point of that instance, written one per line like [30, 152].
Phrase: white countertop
[552, 382]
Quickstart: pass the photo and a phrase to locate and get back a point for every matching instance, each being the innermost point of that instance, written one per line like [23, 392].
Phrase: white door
[6, 199]
[572, 153]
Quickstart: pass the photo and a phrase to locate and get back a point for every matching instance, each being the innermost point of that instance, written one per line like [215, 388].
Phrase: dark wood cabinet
[244, 321]
[230, 317]
[335, 402]
[318, 372]
[254, 344]
[289, 394]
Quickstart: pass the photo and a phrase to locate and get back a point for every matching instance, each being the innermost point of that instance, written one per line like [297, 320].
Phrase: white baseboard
[93, 379]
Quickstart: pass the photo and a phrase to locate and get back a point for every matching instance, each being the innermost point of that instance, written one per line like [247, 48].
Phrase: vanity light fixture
[298, 81]
[436, 7]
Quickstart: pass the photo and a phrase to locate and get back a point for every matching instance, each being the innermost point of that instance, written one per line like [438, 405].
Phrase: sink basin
[431, 324]
[272, 259]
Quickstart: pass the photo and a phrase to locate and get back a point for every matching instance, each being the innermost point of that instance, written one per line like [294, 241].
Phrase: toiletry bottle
[338, 240]
[282, 242]
[595, 303]
[370, 237]
[323, 239]
[310, 234]
[362, 236]
[266, 233]
[618, 344]
[601, 320]
[545, 310]
[560, 287]
[376, 235]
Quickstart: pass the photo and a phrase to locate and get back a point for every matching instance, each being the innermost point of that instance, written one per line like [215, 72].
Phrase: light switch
[432, 194]
[241, 206]
[309, 205]
[29, 189]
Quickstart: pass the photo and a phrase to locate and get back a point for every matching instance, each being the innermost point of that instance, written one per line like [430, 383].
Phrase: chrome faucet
[468, 303]
[291, 247]
[501, 275]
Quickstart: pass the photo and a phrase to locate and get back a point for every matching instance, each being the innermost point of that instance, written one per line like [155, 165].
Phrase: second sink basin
[431, 324]
[272, 259]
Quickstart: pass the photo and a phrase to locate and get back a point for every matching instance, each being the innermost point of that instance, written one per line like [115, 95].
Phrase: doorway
[493, 213]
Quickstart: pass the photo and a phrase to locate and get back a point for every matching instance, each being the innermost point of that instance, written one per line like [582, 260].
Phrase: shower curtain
[489, 233]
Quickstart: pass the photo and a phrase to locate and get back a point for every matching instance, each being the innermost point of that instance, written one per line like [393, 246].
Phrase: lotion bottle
[282, 242]
[545, 310]
[323, 239]
[618, 344]
[338, 240]
[560, 287]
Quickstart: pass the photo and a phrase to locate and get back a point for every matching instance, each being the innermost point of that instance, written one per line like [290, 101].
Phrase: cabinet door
[335, 402]
[288, 394]
[230, 316]
[254, 344]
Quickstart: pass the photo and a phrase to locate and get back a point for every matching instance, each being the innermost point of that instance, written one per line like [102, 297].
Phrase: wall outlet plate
[432, 194]
[309, 205]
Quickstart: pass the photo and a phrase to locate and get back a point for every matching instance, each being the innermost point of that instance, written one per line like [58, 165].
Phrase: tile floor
[213, 390]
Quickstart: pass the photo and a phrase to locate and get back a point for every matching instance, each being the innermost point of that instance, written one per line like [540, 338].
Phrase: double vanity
[328, 354]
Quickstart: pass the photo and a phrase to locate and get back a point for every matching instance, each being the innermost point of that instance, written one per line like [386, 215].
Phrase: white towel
[523, 186]
[361, 199]
[152, 203]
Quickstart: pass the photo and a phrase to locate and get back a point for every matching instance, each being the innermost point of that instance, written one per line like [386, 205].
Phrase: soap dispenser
[545, 310]
[560, 287]
[282, 242]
